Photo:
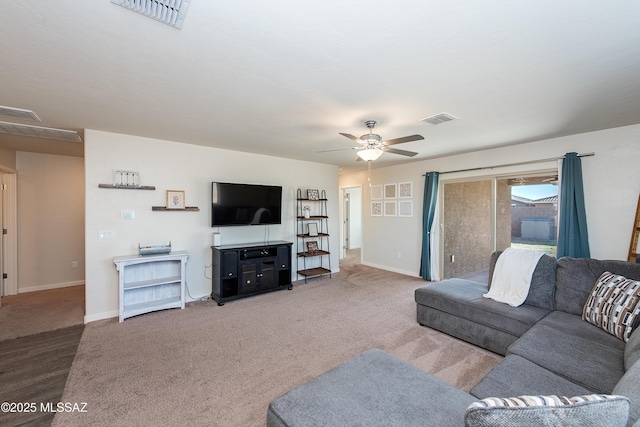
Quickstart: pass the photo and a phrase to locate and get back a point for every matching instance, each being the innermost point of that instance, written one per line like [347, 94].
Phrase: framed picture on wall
[175, 199]
[376, 208]
[390, 208]
[405, 190]
[376, 192]
[405, 208]
[390, 191]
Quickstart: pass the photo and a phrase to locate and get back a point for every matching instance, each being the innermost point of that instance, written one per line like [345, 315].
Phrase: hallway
[34, 312]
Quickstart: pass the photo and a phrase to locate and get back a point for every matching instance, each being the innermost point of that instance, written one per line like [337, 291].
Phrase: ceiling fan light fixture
[371, 138]
[370, 154]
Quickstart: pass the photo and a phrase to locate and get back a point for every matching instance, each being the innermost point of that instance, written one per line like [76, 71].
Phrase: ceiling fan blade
[404, 139]
[401, 152]
[339, 149]
[335, 149]
[351, 137]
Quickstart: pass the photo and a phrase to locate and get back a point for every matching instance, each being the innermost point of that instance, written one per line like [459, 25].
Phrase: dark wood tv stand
[243, 270]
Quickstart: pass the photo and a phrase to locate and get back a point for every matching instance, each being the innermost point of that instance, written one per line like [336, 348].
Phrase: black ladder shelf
[312, 231]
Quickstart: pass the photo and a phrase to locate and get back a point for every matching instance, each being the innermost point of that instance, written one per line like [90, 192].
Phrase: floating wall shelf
[163, 208]
[127, 187]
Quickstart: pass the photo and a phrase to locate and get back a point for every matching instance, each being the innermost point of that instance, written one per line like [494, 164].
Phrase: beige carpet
[221, 366]
[35, 312]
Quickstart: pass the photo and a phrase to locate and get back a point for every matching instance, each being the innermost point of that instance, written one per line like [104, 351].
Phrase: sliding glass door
[484, 215]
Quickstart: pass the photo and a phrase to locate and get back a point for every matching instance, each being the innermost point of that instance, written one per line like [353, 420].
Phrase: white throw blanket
[512, 276]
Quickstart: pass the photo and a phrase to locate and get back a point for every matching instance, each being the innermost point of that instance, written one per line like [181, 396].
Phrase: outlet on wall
[74, 264]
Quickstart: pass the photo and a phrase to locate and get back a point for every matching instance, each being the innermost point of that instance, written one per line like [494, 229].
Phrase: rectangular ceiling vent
[18, 113]
[439, 118]
[40, 132]
[170, 12]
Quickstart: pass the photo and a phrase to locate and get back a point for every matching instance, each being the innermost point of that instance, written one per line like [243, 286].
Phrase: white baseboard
[49, 286]
[101, 316]
[393, 270]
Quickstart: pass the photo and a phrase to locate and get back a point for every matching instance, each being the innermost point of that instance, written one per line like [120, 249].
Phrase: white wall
[610, 180]
[50, 197]
[175, 166]
[7, 160]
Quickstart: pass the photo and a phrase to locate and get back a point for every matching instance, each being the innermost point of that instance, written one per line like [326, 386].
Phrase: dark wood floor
[34, 369]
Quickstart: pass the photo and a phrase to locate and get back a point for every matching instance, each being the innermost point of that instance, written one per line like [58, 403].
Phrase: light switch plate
[106, 234]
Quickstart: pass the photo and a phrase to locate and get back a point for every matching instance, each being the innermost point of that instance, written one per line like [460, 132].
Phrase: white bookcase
[151, 282]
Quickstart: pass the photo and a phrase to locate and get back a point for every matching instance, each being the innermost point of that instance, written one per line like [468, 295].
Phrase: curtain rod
[528, 162]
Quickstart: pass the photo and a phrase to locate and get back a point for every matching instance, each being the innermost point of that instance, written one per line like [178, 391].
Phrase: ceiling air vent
[170, 12]
[439, 118]
[18, 113]
[40, 132]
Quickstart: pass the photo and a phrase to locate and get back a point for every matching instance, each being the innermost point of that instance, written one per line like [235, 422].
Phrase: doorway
[469, 227]
[534, 213]
[351, 232]
[8, 234]
[487, 215]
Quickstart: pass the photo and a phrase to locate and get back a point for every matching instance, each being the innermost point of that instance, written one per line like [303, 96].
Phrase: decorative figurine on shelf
[126, 179]
[306, 211]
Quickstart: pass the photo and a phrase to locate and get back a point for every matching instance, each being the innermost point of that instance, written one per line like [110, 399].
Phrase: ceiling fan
[371, 146]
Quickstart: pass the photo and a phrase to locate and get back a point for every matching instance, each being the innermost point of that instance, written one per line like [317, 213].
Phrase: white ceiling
[284, 77]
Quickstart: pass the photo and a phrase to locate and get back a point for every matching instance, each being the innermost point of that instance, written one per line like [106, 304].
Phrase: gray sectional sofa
[548, 349]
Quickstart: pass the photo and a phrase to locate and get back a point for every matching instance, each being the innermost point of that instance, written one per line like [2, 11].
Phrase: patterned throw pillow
[613, 305]
[590, 410]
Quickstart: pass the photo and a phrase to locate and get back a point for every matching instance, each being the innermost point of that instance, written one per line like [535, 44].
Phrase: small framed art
[313, 194]
[312, 229]
[390, 191]
[175, 199]
[312, 247]
[376, 208]
[390, 208]
[405, 208]
[376, 192]
[405, 190]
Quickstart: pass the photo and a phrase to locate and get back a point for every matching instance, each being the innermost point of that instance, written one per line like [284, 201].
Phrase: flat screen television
[245, 204]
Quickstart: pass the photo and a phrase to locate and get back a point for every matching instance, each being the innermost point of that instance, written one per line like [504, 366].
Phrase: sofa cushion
[516, 376]
[629, 386]
[371, 389]
[632, 350]
[464, 299]
[576, 277]
[613, 305]
[579, 411]
[543, 282]
[464, 329]
[574, 349]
